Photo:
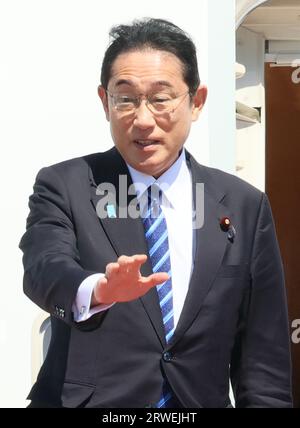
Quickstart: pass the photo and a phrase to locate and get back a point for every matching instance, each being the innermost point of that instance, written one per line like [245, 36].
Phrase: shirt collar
[170, 182]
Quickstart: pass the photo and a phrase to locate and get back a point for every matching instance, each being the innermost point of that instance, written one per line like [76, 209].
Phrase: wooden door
[283, 187]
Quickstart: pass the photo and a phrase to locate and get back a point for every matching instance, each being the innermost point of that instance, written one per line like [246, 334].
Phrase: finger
[128, 266]
[98, 289]
[139, 259]
[102, 282]
[125, 261]
[155, 279]
[111, 268]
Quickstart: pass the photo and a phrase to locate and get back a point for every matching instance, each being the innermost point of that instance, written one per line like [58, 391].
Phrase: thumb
[158, 278]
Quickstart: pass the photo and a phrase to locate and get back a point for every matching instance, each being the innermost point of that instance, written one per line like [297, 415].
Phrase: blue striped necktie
[158, 245]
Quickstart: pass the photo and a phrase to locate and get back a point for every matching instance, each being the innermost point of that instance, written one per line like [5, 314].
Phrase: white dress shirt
[177, 207]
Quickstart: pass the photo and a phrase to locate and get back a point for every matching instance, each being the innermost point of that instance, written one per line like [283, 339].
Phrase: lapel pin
[111, 211]
[226, 226]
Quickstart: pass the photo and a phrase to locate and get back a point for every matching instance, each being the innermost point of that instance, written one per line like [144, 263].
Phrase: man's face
[147, 141]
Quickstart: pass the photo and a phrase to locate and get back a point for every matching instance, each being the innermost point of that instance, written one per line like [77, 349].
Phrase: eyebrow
[130, 83]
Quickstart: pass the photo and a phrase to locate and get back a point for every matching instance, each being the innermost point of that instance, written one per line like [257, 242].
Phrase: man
[155, 309]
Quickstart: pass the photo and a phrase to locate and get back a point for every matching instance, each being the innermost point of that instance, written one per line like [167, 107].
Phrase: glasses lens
[161, 104]
[164, 103]
[124, 102]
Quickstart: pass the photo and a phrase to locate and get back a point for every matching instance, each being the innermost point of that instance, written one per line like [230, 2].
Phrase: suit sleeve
[52, 271]
[261, 363]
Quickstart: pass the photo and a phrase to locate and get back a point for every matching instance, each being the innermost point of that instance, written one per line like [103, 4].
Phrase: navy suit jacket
[233, 323]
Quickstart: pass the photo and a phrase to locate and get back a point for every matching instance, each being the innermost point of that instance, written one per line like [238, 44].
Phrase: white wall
[51, 52]
[221, 83]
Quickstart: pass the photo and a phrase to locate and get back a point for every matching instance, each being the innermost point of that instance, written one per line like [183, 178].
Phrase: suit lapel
[126, 235]
[211, 243]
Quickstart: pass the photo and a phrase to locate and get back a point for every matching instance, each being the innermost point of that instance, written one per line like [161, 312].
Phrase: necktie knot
[155, 193]
[154, 200]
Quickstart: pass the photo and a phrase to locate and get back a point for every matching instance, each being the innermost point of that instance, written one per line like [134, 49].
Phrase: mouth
[146, 143]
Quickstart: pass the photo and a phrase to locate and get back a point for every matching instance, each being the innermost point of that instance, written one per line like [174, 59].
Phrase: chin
[154, 170]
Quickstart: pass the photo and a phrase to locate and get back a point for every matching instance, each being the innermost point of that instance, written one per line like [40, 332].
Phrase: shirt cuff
[81, 307]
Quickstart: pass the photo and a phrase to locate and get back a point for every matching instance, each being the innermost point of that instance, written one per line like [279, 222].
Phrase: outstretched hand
[123, 281]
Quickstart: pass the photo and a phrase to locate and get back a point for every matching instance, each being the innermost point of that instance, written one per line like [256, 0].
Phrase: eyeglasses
[157, 103]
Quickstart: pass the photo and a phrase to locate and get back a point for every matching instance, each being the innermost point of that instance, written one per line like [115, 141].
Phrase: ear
[103, 96]
[199, 101]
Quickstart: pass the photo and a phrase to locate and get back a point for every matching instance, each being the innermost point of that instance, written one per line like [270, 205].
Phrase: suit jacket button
[167, 356]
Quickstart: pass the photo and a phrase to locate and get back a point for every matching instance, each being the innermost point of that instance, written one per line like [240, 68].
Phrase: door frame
[244, 7]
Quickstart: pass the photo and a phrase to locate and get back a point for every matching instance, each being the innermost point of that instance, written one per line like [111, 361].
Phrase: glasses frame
[138, 100]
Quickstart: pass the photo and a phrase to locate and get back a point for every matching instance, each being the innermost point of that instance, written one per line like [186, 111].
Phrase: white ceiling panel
[276, 20]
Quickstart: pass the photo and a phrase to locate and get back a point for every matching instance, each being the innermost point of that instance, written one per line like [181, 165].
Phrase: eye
[160, 101]
[160, 98]
[125, 99]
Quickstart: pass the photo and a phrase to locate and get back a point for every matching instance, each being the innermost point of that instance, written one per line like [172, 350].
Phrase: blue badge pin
[111, 211]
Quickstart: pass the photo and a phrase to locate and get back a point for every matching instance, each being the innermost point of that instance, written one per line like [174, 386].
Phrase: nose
[144, 119]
